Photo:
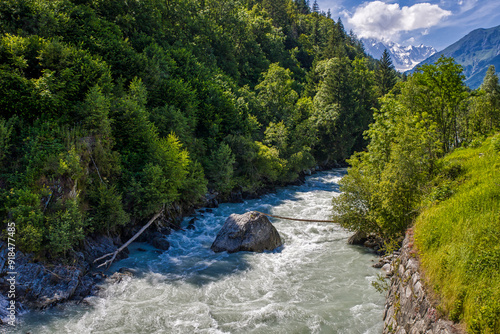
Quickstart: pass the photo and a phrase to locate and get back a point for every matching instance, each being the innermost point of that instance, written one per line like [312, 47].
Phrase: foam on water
[315, 283]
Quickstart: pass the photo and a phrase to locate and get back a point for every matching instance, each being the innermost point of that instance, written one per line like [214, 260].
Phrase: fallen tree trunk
[115, 253]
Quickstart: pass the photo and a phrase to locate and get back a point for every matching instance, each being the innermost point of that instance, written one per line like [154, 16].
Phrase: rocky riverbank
[40, 285]
[408, 308]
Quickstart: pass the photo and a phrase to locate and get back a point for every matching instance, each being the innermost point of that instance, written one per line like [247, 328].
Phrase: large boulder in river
[251, 232]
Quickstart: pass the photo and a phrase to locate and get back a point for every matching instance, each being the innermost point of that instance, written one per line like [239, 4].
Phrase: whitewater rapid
[315, 283]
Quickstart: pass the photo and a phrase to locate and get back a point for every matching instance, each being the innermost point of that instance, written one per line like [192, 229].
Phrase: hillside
[458, 238]
[475, 52]
[111, 112]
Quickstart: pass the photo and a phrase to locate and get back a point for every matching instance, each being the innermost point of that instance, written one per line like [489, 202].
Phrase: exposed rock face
[357, 238]
[40, 285]
[100, 245]
[251, 231]
[407, 308]
[4, 313]
[211, 200]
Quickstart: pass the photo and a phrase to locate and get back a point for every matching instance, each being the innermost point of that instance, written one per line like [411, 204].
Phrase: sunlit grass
[459, 241]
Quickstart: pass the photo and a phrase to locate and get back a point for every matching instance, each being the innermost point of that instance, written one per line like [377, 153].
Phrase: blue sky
[437, 23]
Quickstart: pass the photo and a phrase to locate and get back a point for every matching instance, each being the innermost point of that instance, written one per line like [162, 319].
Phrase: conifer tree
[336, 41]
[277, 11]
[315, 6]
[303, 6]
[490, 82]
[386, 76]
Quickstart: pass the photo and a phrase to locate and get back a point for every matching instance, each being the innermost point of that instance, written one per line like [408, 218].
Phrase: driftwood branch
[115, 253]
[298, 219]
[97, 169]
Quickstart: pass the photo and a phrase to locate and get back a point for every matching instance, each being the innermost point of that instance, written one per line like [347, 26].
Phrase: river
[315, 283]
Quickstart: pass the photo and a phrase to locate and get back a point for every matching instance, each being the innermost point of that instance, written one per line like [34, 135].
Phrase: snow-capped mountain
[403, 57]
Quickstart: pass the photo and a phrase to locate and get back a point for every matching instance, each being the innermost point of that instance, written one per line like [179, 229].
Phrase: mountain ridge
[476, 51]
[404, 57]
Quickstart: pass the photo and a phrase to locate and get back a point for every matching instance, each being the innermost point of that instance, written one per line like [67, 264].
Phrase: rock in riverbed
[358, 238]
[251, 231]
[160, 243]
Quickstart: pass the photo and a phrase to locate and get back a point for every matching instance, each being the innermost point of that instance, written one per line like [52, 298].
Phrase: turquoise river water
[315, 283]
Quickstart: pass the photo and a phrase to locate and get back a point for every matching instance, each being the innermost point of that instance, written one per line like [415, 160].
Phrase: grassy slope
[459, 240]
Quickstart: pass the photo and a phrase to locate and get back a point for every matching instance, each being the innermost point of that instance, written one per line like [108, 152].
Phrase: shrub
[495, 143]
[24, 209]
[219, 167]
[65, 227]
[107, 209]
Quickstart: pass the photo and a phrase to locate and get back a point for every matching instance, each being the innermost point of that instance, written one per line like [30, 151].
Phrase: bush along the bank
[428, 162]
[113, 111]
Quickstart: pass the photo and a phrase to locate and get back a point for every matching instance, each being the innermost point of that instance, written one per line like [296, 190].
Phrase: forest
[111, 111]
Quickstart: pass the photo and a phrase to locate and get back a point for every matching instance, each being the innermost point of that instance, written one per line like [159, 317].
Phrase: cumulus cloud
[385, 21]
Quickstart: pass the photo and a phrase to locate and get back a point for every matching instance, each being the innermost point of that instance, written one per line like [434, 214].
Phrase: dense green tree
[276, 94]
[277, 9]
[386, 74]
[303, 6]
[491, 87]
[6, 129]
[336, 41]
[106, 208]
[384, 184]
[342, 106]
[220, 168]
[439, 90]
[424, 118]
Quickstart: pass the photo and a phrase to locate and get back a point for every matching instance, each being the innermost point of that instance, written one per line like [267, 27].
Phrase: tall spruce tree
[336, 41]
[316, 6]
[303, 6]
[277, 11]
[386, 74]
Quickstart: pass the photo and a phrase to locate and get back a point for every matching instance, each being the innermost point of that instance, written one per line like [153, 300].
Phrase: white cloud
[385, 21]
[466, 5]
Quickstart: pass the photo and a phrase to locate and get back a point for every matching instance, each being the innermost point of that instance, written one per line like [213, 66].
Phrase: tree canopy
[419, 122]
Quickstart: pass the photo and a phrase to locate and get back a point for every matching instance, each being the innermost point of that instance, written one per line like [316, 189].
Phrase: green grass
[458, 239]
